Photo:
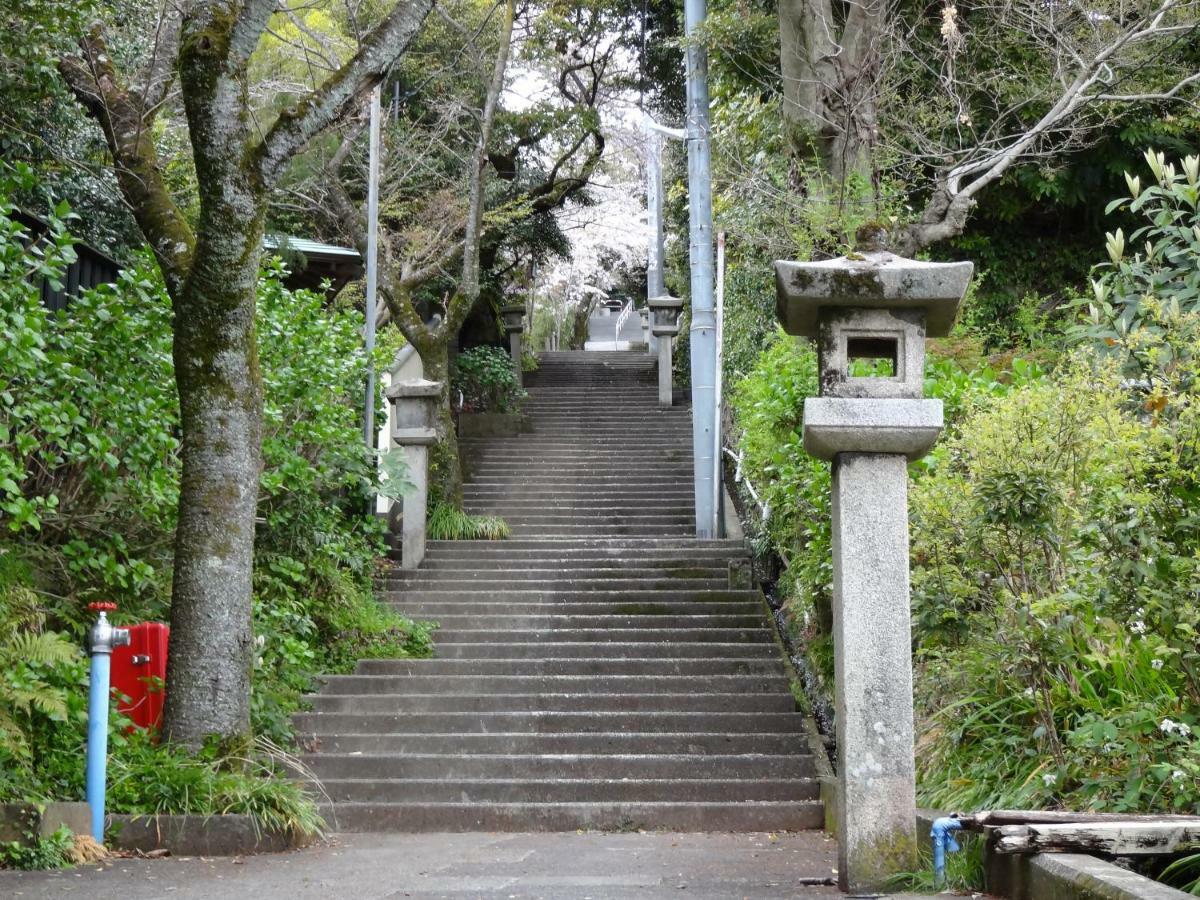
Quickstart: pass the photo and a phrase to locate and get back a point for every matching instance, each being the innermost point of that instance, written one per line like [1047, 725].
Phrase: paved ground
[461, 866]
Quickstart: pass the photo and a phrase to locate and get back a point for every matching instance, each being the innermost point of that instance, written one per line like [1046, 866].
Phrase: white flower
[1049, 779]
[258, 663]
[260, 640]
[1028, 692]
[1166, 726]
[1110, 747]
[1183, 728]
[1137, 627]
[1177, 775]
[1156, 664]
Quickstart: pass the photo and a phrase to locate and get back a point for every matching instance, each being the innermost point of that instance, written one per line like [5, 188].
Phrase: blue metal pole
[103, 638]
[943, 842]
[97, 740]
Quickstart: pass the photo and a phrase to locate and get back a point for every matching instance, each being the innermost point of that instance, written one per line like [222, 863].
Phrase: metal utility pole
[655, 285]
[372, 263]
[700, 248]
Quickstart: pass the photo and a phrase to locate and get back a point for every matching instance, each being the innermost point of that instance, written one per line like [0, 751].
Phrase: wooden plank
[1127, 838]
[1062, 817]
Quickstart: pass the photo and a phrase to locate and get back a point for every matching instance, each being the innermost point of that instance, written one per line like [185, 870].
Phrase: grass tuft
[446, 523]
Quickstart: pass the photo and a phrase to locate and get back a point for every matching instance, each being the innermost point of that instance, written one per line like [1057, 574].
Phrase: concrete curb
[1057, 876]
[194, 835]
[18, 821]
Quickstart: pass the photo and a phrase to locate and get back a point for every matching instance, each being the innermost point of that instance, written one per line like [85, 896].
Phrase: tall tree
[484, 172]
[211, 271]
[951, 97]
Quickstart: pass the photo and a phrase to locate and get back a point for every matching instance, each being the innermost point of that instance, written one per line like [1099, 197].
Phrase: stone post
[665, 311]
[870, 314]
[514, 324]
[644, 315]
[413, 416]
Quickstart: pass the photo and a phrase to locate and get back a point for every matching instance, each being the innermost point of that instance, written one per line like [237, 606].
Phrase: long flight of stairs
[595, 670]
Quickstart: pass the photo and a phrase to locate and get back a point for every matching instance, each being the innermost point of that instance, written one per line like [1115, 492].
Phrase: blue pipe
[97, 740]
[103, 638]
[943, 842]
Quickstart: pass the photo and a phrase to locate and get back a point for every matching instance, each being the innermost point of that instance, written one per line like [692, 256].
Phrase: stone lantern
[644, 315]
[870, 313]
[665, 325]
[414, 427]
[514, 325]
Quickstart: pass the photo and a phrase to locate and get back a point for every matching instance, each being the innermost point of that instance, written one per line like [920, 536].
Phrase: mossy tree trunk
[211, 275]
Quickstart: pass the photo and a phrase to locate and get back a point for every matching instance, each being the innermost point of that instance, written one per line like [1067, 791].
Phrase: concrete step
[566, 790]
[616, 766]
[532, 744]
[678, 577]
[591, 666]
[714, 640]
[518, 817]
[532, 559]
[420, 580]
[629, 628]
[441, 611]
[424, 683]
[618, 599]
[604, 544]
[561, 650]
[485, 703]
[537, 723]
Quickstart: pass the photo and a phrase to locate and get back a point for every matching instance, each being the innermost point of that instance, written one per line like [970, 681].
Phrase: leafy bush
[1139, 301]
[1055, 603]
[483, 380]
[50, 852]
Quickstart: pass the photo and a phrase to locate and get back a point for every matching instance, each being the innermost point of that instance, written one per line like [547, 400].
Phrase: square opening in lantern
[872, 357]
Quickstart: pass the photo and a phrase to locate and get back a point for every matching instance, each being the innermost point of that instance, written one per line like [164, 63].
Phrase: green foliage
[89, 473]
[485, 380]
[50, 852]
[446, 523]
[1184, 873]
[1055, 602]
[1141, 304]
[146, 778]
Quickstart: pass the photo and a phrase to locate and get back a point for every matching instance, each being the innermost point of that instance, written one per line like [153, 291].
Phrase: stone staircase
[594, 671]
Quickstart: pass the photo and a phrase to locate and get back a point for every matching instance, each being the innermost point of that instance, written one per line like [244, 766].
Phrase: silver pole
[700, 248]
[372, 263]
[654, 197]
[719, 381]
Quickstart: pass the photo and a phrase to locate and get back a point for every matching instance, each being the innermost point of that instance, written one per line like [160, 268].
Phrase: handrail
[621, 320]
[740, 477]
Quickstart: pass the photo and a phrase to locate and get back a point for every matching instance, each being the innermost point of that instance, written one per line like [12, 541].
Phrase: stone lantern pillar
[665, 311]
[875, 309]
[644, 315]
[514, 325]
[414, 412]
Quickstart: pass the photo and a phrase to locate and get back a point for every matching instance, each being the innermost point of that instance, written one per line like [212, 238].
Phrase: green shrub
[50, 852]
[1055, 602]
[484, 379]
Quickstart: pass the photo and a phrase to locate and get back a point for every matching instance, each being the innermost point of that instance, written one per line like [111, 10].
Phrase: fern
[26, 653]
[446, 523]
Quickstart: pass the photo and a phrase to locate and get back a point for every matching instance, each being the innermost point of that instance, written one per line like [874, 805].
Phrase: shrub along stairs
[596, 669]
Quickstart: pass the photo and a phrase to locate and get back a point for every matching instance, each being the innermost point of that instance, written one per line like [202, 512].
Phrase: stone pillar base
[665, 386]
[412, 529]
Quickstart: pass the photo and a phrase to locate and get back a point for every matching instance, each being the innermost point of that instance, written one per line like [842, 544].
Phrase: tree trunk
[445, 465]
[220, 400]
[830, 89]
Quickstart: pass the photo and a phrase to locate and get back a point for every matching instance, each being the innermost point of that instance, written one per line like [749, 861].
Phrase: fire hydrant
[102, 639]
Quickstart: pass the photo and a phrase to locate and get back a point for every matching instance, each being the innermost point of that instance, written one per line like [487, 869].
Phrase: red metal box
[139, 671]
